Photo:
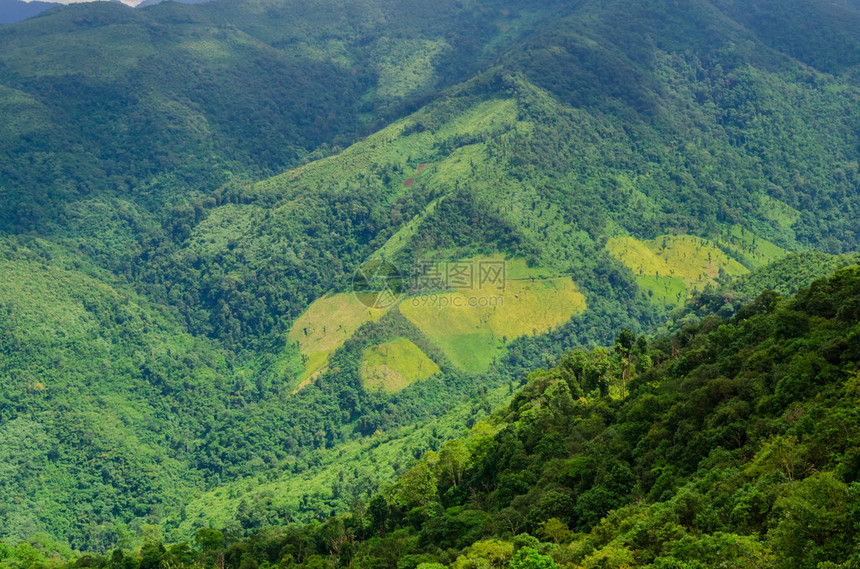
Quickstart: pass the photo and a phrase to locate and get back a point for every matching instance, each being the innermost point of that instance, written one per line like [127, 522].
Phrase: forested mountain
[189, 191]
[153, 107]
[733, 443]
[146, 3]
[12, 11]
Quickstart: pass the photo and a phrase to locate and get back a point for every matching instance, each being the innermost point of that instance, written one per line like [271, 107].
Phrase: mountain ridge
[14, 11]
[227, 167]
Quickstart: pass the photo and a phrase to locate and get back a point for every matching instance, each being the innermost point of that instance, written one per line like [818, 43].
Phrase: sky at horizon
[126, 2]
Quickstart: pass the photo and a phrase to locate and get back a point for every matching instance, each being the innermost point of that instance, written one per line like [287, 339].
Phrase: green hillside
[188, 191]
[393, 365]
[730, 444]
[158, 107]
[785, 277]
[92, 379]
[528, 171]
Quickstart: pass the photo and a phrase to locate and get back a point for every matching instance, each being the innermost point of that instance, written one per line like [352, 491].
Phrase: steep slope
[157, 106]
[508, 168]
[737, 445]
[556, 139]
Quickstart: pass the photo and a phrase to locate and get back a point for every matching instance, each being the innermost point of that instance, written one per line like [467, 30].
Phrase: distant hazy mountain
[12, 11]
[853, 4]
[146, 3]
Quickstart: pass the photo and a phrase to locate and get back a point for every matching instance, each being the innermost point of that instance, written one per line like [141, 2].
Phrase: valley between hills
[412, 285]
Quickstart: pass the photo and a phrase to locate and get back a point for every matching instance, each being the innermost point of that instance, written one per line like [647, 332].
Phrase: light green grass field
[694, 260]
[325, 326]
[472, 326]
[393, 366]
[777, 211]
[663, 290]
[406, 65]
[753, 250]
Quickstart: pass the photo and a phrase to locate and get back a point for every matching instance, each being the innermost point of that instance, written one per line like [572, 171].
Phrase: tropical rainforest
[657, 202]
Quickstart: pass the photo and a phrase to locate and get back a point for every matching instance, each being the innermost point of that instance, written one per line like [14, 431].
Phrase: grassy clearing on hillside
[223, 227]
[392, 366]
[406, 66]
[535, 306]
[325, 326]
[753, 250]
[211, 49]
[779, 212]
[694, 260]
[663, 290]
[471, 326]
[461, 332]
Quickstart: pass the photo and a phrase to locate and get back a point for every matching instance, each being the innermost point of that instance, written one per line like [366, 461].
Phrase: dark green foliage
[709, 460]
[783, 277]
[152, 117]
[160, 369]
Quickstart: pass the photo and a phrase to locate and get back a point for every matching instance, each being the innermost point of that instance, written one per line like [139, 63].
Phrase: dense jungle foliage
[180, 183]
[733, 443]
